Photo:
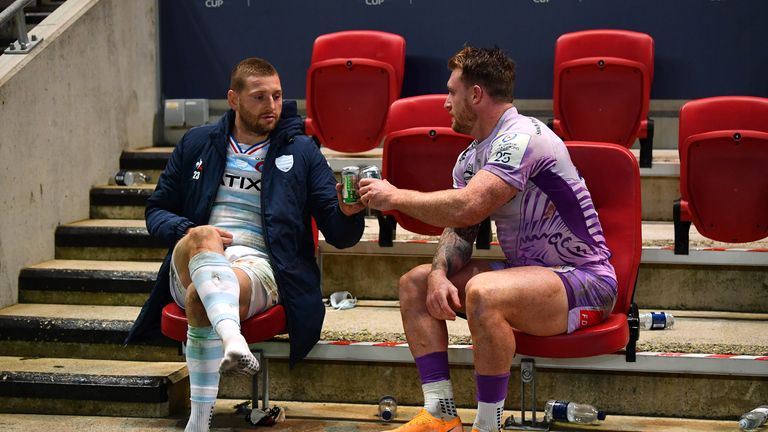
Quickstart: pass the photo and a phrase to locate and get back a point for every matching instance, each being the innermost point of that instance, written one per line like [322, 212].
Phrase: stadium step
[362, 355]
[82, 282]
[77, 331]
[119, 202]
[108, 239]
[666, 280]
[660, 184]
[92, 387]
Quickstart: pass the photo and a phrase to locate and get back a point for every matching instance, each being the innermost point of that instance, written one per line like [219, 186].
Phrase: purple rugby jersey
[551, 222]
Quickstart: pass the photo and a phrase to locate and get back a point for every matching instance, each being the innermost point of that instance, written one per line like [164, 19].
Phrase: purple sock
[433, 367]
[492, 388]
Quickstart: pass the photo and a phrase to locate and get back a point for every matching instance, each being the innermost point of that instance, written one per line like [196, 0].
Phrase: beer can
[371, 171]
[349, 178]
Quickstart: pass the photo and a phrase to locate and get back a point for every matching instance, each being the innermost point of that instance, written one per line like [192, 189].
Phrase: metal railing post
[16, 11]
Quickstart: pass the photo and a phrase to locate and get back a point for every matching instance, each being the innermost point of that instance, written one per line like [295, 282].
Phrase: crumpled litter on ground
[341, 300]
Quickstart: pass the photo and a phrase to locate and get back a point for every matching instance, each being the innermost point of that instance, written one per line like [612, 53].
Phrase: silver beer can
[371, 171]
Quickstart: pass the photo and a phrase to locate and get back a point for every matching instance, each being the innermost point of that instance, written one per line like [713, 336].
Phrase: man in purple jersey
[556, 277]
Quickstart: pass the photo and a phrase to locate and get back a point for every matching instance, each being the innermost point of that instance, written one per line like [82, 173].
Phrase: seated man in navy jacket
[234, 205]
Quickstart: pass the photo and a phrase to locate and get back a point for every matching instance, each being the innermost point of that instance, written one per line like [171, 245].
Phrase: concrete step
[108, 239]
[327, 417]
[125, 283]
[666, 280]
[119, 202]
[373, 321]
[660, 185]
[92, 387]
[77, 331]
[339, 371]
[149, 160]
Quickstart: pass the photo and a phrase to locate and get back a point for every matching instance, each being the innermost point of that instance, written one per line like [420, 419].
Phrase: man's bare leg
[428, 341]
[531, 299]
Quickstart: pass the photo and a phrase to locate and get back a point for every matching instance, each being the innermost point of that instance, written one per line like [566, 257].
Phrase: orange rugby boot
[425, 422]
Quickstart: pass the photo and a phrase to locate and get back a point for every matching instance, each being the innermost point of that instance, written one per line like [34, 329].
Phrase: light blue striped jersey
[237, 206]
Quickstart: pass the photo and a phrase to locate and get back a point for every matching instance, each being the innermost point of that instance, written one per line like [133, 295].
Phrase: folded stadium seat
[353, 78]
[420, 150]
[723, 146]
[258, 328]
[613, 178]
[602, 88]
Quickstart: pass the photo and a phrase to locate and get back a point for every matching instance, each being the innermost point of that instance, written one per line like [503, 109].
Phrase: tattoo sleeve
[454, 249]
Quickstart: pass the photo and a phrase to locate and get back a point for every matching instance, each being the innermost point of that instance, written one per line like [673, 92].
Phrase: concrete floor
[315, 417]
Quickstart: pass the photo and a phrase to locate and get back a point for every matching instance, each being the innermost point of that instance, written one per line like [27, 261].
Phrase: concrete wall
[67, 110]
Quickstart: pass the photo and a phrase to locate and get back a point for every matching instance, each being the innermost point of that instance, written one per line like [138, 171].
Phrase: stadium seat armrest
[682, 227]
[484, 234]
[557, 128]
[387, 227]
[633, 320]
[646, 144]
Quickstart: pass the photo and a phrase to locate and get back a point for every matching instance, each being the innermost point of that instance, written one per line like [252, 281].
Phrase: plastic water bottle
[387, 408]
[130, 178]
[752, 420]
[565, 411]
[656, 321]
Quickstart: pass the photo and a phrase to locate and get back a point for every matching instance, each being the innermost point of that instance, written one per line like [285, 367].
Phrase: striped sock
[219, 290]
[204, 353]
[491, 392]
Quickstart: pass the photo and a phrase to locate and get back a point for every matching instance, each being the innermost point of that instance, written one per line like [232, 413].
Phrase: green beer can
[349, 178]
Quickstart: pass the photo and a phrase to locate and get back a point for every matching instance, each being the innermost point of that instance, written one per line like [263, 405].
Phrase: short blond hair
[252, 66]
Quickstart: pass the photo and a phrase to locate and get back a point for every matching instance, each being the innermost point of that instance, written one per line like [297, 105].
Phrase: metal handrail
[23, 45]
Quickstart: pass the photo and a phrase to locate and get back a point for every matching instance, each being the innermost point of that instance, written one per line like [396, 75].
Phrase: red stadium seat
[420, 150]
[257, 328]
[602, 88]
[613, 179]
[723, 148]
[352, 80]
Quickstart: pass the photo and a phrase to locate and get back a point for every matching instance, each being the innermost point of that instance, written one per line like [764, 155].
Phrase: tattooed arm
[454, 249]
[453, 252]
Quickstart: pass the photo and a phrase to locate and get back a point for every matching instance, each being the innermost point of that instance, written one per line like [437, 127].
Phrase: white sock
[489, 416]
[238, 358]
[200, 417]
[438, 399]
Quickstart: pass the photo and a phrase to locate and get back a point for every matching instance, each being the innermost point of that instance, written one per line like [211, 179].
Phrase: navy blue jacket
[289, 199]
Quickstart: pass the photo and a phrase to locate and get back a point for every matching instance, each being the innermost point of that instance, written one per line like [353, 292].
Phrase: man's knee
[412, 284]
[201, 239]
[480, 293]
